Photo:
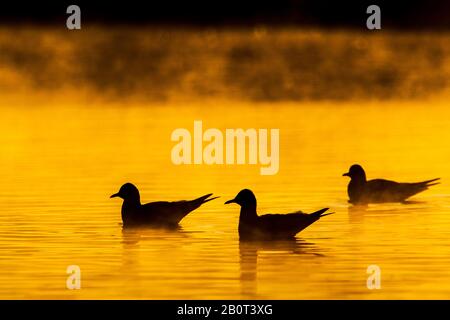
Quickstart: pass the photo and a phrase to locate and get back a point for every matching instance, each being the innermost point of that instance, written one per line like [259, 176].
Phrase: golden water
[60, 164]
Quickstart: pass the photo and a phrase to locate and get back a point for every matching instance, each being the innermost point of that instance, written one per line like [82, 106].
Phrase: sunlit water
[60, 164]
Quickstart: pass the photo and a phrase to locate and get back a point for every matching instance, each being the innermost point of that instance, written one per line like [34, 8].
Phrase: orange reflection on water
[60, 164]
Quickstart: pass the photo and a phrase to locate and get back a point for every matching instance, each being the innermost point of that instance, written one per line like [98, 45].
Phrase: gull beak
[231, 201]
[346, 174]
[114, 195]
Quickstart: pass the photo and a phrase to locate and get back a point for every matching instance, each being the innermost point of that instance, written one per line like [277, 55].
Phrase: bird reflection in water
[358, 212]
[250, 249]
[133, 235]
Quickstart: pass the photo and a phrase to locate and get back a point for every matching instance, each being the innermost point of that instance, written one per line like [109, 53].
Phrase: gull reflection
[133, 235]
[249, 251]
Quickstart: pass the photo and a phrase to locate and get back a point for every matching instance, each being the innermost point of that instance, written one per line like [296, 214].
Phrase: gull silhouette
[361, 191]
[161, 213]
[270, 226]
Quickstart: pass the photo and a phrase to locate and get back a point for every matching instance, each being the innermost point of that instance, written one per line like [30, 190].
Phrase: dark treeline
[399, 14]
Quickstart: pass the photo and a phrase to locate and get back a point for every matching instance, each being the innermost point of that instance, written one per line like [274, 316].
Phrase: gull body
[161, 213]
[270, 226]
[363, 191]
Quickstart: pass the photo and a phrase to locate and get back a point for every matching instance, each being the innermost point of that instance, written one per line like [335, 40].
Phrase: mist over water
[155, 64]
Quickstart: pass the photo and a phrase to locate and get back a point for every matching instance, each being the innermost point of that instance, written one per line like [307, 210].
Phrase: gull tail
[204, 199]
[190, 205]
[321, 214]
[425, 184]
[428, 183]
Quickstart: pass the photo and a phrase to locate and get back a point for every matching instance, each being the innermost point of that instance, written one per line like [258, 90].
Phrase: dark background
[397, 14]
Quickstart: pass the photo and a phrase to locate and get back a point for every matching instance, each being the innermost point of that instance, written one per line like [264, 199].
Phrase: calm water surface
[60, 164]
